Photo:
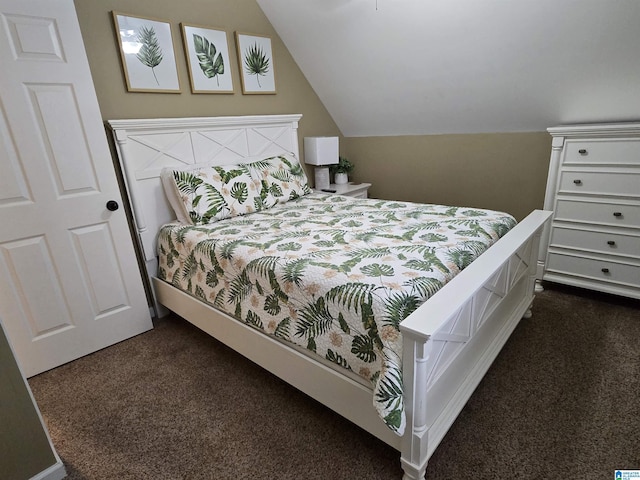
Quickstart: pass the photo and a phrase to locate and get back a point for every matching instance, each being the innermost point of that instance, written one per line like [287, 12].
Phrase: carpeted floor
[561, 401]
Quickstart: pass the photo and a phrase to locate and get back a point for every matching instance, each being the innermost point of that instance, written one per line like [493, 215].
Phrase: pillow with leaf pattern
[283, 176]
[214, 193]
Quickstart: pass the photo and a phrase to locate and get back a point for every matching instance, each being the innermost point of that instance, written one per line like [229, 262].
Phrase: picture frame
[147, 54]
[255, 62]
[207, 52]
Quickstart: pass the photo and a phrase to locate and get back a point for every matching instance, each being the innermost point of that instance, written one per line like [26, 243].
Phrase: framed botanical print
[146, 50]
[207, 52]
[255, 59]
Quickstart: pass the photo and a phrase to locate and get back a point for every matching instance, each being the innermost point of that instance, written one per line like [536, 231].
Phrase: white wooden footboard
[450, 342]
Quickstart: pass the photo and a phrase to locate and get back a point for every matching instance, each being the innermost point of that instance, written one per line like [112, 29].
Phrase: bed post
[148, 258]
[415, 442]
[540, 239]
[121, 141]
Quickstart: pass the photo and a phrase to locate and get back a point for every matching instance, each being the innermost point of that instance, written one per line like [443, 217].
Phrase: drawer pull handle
[611, 242]
[617, 214]
[605, 270]
[577, 181]
[582, 151]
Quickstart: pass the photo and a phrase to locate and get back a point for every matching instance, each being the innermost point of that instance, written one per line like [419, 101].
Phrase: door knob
[112, 205]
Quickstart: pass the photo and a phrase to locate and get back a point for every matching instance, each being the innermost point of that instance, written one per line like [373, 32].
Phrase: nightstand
[356, 190]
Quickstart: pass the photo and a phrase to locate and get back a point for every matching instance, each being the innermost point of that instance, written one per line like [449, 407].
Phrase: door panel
[13, 185]
[68, 273]
[64, 142]
[96, 254]
[30, 269]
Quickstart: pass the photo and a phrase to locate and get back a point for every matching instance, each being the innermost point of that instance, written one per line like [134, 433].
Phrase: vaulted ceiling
[403, 67]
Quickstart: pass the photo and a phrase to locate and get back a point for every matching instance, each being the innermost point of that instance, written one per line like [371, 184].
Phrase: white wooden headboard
[146, 146]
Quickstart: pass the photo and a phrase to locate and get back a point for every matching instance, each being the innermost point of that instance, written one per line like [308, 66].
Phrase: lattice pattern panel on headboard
[147, 146]
[151, 152]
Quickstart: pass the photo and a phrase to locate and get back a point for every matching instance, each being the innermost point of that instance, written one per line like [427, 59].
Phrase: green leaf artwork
[256, 62]
[150, 53]
[211, 61]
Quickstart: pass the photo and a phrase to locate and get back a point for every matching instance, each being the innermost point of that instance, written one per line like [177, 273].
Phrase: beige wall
[502, 171]
[294, 94]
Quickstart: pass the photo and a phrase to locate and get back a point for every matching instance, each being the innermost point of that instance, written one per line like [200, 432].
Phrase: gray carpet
[561, 401]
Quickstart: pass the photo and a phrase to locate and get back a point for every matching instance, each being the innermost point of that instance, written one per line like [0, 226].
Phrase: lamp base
[322, 178]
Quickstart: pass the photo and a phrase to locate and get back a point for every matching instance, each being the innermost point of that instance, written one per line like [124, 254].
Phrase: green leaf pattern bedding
[332, 274]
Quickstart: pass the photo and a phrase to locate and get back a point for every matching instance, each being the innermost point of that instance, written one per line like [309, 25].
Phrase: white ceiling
[405, 67]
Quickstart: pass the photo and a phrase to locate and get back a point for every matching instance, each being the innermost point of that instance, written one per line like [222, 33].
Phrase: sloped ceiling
[405, 67]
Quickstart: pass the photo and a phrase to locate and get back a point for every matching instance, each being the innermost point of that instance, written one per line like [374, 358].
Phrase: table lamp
[321, 151]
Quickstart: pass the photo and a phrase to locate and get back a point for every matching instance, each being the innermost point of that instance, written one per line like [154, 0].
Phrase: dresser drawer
[594, 269]
[607, 152]
[600, 183]
[618, 215]
[602, 242]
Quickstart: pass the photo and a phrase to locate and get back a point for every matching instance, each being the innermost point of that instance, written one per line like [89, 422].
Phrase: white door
[69, 279]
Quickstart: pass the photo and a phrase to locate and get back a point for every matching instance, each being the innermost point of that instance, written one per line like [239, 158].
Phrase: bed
[446, 343]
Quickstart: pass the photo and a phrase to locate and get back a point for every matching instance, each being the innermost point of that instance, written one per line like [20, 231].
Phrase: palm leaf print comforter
[332, 274]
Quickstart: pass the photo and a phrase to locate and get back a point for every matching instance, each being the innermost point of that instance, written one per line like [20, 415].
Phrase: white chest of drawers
[594, 190]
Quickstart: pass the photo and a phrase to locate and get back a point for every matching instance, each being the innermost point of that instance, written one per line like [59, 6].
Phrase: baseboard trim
[54, 472]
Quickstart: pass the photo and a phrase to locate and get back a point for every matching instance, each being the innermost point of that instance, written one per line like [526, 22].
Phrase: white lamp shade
[321, 150]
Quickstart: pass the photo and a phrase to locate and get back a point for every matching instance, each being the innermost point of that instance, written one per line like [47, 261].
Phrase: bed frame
[448, 343]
